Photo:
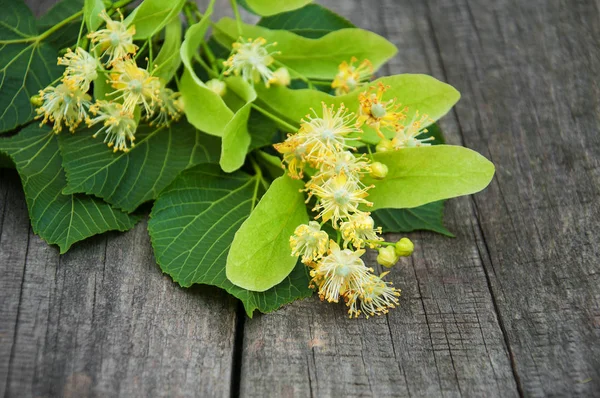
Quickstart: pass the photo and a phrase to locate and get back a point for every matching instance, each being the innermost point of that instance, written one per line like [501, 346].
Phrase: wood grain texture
[103, 320]
[529, 72]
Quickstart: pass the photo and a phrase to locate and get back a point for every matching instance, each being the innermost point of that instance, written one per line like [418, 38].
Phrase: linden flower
[169, 107]
[339, 272]
[119, 126]
[344, 163]
[339, 197]
[360, 230]
[406, 134]
[309, 242]
[325, 136]
[217, 86]
[377, 113]
[251, 59]
[65, 103]
[293, 150]
[349, 76]
[281, 77]
[81, 68]
[135, 86]
[116, 40]
[376, 298]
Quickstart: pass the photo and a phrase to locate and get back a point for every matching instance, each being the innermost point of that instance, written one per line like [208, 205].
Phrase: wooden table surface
[510, 307]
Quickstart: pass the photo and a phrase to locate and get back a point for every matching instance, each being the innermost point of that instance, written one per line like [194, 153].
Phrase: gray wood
[444, 339]
[528, 72]
[103, 320]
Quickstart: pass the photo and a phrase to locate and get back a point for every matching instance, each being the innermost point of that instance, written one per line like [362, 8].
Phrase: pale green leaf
[25, 67]
[57, 218]
[167, 61]
[91, 14]
[192, 226]
[427, 174]
[126, 180]
[428, 217]
[417, 92]
[236, 138]
[260, 253]
[272, 7]
[152, 15]
[313, 58]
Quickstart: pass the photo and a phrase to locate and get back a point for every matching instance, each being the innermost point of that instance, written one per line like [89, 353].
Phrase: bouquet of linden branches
[271, 156]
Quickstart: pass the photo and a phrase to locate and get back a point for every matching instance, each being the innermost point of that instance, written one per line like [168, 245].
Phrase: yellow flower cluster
[350, 77]
[382, 114]
[324, 148]
[322, 145]
[253, 60]
[69, 103]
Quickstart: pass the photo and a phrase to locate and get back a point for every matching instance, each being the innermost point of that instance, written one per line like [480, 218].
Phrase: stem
[80, 32]
[238, 18]
[59, 25]
[150, 57]
[259, 177]
[370, 153]
[380, 243]
[208, 69]
[288, 126]
[211, 57]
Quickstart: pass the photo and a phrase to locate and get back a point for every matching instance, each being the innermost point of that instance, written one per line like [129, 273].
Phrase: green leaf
[67, 35]
[427, 174]
[167, 61]
[57, 218]
[260, 253]
[6, 162]
[192, 226]
[262, 130]
[152, 15]
[428, 217]
[126, 180]
[59, 12]
[418, 92]
[313, 58]
[91, 14]
[311, 21]
[25, 67]
[236, 138]
[272, 7]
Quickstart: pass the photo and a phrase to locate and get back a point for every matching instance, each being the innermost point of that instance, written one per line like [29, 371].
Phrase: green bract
[269, 154]
[260, 254]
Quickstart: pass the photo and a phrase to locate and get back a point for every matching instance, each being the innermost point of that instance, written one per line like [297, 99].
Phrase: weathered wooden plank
[103, 320]
[529, 76]
[444, 339]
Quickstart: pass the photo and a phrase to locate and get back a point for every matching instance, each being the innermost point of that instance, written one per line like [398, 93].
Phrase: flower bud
[384, 145]
[387, 256]
[36, 100]
[217, 86]
[404, 247]
[282, 77]
[378, 170]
